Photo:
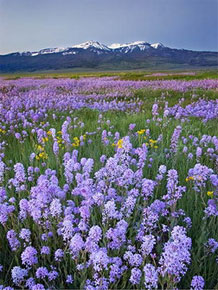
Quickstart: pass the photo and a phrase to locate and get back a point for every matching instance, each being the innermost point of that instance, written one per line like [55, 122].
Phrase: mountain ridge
[87, 45]
[93, 54]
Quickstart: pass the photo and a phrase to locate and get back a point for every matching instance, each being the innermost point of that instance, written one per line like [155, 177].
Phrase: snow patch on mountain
[129, 47]
[69, 52]
[48, 51]
[115, 45]
[91, 44]
[157, 45]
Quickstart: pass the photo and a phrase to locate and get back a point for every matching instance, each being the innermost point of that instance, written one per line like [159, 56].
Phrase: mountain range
[94, 55]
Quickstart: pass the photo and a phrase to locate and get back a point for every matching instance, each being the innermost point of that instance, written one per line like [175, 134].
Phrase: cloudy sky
[36, 24]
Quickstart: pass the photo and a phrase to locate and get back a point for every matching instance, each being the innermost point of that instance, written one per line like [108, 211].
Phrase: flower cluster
[86, 202]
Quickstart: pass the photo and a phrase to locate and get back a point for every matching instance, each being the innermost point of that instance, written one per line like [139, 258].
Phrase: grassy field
[124, 75]
[86, 128]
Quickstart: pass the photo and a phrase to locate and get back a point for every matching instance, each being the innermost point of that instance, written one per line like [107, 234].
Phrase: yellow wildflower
[140, 132]
[210, 194]
[40, 148]
[152, 141]
[189, 178]
[120, 144]
[76, 142]
[43, 155]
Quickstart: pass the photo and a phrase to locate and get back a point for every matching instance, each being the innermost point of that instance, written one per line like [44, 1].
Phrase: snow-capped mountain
[91, 45]
[97, 47]
[93, 54]
[129, 47]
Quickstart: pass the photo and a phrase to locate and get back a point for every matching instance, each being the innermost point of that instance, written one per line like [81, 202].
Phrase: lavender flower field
[108, 183]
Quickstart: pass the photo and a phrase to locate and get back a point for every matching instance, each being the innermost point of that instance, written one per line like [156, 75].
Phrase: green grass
[124, 75]
[191, 201]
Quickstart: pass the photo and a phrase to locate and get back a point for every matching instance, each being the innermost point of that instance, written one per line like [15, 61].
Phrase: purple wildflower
[25, 234]
[95, 233]
[45, 250]
[176, 255]
[59, 253]
[175, 139]
[55, 148]
[76, 245]
[18, 275]
[135, 276]
[212, 245]
[52, 275]
[131, 126]
[69, 279]
[29, 256]
[2, 170]
[151, 276]
[41, 272]
[147, 245]
[38, 287]
[12, 239]
[56, 207]
[148, 186]
[30, 283]
[99, 259]
[197, 283]
[200, 174]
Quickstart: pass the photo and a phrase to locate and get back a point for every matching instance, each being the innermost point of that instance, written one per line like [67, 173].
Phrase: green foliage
[191, 202]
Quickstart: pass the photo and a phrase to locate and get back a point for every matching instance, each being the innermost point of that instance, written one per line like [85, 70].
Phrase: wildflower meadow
[108, 183]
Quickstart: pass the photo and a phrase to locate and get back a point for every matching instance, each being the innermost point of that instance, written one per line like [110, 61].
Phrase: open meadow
[109, 181]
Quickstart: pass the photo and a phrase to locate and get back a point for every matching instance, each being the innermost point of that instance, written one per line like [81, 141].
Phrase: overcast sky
[36, 24]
